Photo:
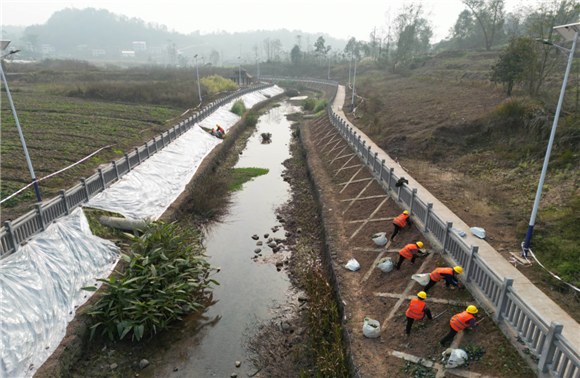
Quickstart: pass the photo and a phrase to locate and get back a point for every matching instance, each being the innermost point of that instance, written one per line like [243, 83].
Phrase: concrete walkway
[533, 296]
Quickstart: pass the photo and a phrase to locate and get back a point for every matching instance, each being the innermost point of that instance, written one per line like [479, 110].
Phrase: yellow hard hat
[420, 244]
[472, 309]
[458, 269]
[406, 212]
[422, 295]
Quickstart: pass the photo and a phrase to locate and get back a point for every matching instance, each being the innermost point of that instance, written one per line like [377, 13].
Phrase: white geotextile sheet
[40, 290]
[151, 187]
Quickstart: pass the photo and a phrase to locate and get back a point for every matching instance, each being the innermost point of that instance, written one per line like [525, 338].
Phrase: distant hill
[75, 33]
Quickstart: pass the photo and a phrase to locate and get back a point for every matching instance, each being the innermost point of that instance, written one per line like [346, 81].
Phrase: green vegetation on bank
[239, 108]
[239, 176]
[215, 83]
[166, 277]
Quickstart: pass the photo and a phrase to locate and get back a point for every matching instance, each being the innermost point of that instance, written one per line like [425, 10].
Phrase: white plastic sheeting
[40, 289]
[148, 190]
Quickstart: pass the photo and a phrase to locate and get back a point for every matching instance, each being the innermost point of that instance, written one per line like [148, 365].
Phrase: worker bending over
[440, 273]
[409, 252]
[459, 322]
[400, 222]
[417, 310]
[220, 131]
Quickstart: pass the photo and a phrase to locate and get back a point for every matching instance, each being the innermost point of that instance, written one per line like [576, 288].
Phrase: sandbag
[353, 265]
[457, 358]
[422, 279]
[478, 231]
[385, 264]
[380, 239]
[371, 328]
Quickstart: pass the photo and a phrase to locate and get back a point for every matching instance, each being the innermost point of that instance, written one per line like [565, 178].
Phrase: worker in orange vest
[400, 222]
[459, 322]
[417, 310]
[450, 275]
[409, 252]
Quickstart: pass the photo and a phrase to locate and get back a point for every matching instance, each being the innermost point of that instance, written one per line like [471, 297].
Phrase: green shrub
[239, 108]
[266, 137]
[292, 92]
[320, 105]
[215, 83]
[251, 118]
[308, 104]
[166, 278]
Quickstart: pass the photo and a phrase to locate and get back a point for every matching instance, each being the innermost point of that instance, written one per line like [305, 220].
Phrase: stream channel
[208, 344]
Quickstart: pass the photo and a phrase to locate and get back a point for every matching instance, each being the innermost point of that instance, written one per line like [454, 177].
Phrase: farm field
[60, 131]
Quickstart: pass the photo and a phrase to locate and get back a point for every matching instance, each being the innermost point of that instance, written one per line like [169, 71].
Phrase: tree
[515, 64]
[490, 15]
[31, 39]
[276, 48]
[182, 60]
[320, 47]
[214, 57]
[267, 44]
[172, 52]
[464, 33]
[295, 54]
[413, 32]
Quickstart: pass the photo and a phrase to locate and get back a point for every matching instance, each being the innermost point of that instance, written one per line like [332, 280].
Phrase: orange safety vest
[459, 321]
[436, 275]
[416, 308]
[401, 220]
[408, 251]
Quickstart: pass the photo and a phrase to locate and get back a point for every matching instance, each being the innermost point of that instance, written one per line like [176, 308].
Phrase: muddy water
[208, 345]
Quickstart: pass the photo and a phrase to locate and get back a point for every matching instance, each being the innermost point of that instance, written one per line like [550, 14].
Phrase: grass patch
[251, 118]
[239, 176]
[308, 104]
[238, 108]
[215, 83]
[320, 105]
[99, 229]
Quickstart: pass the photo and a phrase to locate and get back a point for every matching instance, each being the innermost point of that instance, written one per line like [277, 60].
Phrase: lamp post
[258, 64]
[349, 65]
[570, 33]
[36, 189]
[240, 72]
[353, 87]
[198, 86]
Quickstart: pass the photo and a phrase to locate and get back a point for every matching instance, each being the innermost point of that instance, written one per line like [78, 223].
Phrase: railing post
[162, 140]
[445, 237]
[116, 169]
[391, 170]
[363, 148]
[357, 147]
[413, 195]
[427, 213]
[63, 196]
[102, 176]
[375, 160]
[147, 149]
[86, 187]
[502, 301]
[381, 171]
[38, 208]
[155, 144]
[138, 155]
[471, 263]
[400, 187]
[549, 347]
[11, 237]
[369, 155]
[128, 162]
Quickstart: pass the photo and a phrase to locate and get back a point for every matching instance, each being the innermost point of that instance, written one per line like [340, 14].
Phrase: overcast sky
[338, 18]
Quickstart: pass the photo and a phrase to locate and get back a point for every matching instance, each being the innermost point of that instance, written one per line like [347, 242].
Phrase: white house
[128, 54]
[48, 49]
[98, 52]
[139, 46]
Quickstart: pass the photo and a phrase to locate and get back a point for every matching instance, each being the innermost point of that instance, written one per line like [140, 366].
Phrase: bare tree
[490, 15]
[214, 57]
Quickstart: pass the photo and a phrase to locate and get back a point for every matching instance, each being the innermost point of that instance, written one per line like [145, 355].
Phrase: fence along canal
[22, 229]
[557, 356]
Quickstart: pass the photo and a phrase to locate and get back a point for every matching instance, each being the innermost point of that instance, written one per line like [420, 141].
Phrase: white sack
[40, 289]
[457, 358]
[478, 231]
[371, 328]
[353, 265]
[385, 264]
[423, 279]
[380, 239]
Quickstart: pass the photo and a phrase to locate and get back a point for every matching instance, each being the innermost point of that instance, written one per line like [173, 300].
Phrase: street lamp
[570, 33]
[240, 72]
[258, 64]
[353, 87]
[349, 66]
[198, 86]
[3, 45]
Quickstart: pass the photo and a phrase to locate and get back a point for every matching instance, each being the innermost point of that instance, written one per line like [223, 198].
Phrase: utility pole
[353, 87]
[349, 66]
[240, 71]
[36, 189]
[198, 86]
